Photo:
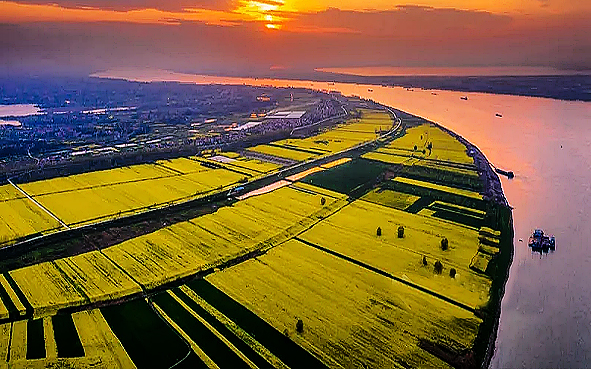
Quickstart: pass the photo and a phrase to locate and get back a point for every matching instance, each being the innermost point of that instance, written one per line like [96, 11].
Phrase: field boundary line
[38, 204]
[425, 253]
[388, 275]
[192, 345]
[249, 340]
[213, 330]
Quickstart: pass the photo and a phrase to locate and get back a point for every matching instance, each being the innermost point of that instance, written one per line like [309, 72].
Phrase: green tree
[400, 232]
[438, 267]
[444, 244]
[300, 326]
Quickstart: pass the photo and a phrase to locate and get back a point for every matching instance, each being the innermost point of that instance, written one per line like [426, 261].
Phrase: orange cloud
[12, 12]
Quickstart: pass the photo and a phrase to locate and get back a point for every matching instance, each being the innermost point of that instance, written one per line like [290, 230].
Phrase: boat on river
[541, 242]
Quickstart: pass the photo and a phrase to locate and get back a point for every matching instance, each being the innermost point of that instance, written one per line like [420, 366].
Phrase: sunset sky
[242, 37]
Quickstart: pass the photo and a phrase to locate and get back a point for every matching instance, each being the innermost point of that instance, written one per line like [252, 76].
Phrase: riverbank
[502, 220]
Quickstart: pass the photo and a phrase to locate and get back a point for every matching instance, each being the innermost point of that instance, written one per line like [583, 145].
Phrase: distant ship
[464, 97]
[540, 242]
[499, 115]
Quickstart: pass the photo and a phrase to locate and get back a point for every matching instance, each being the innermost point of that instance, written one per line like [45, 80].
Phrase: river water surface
[546, 311]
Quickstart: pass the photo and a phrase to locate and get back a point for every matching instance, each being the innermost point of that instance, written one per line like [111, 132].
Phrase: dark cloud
[410, 36]
[122, 5]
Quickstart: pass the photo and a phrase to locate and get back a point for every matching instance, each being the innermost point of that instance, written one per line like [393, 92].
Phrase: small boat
[540, 242]
[499, 115]
[464, 97]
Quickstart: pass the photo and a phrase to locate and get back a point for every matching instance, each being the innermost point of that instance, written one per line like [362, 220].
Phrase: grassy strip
[35, 339]
[223, 330]
[211, 345]
[453, 216]
[419, 205]
[66, 337]
[435, 194]
[346, 177]
[280, 345]
[12, 310]
[149, 341]
[439, 187]
[442, 177]
[21, 296]
[458, 209]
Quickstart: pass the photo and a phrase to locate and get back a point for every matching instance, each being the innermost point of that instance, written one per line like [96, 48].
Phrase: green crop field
[346, 177]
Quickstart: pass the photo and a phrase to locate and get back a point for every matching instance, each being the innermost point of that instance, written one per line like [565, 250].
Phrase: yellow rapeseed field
[445, 147]
[92, 204]
[97, 277]
[352, 232]
[282, 152]
[434, 186]
[446, 154]
[344, 136]
[100, 344]
[12, 295]
[351, 315]
[183, 165]
[96, 179]
[21, 217]
[390, 198]
[4, 343]
[185, 248]
[253, 165]
[46, 288]
[387, 158]
[8, 192]
[18, 341]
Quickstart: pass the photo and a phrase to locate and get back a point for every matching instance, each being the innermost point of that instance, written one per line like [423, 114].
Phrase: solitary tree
[322, 201]
[415, 148]
[452, 272]
[300, 326]
[424, 260]
[400, 232]
[379, 231]
[438, 267]
[444, 243]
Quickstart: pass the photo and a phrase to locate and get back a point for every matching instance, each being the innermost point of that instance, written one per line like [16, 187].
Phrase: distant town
[53, 124]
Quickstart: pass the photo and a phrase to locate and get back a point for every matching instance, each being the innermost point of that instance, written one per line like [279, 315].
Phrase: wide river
[546, 311]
